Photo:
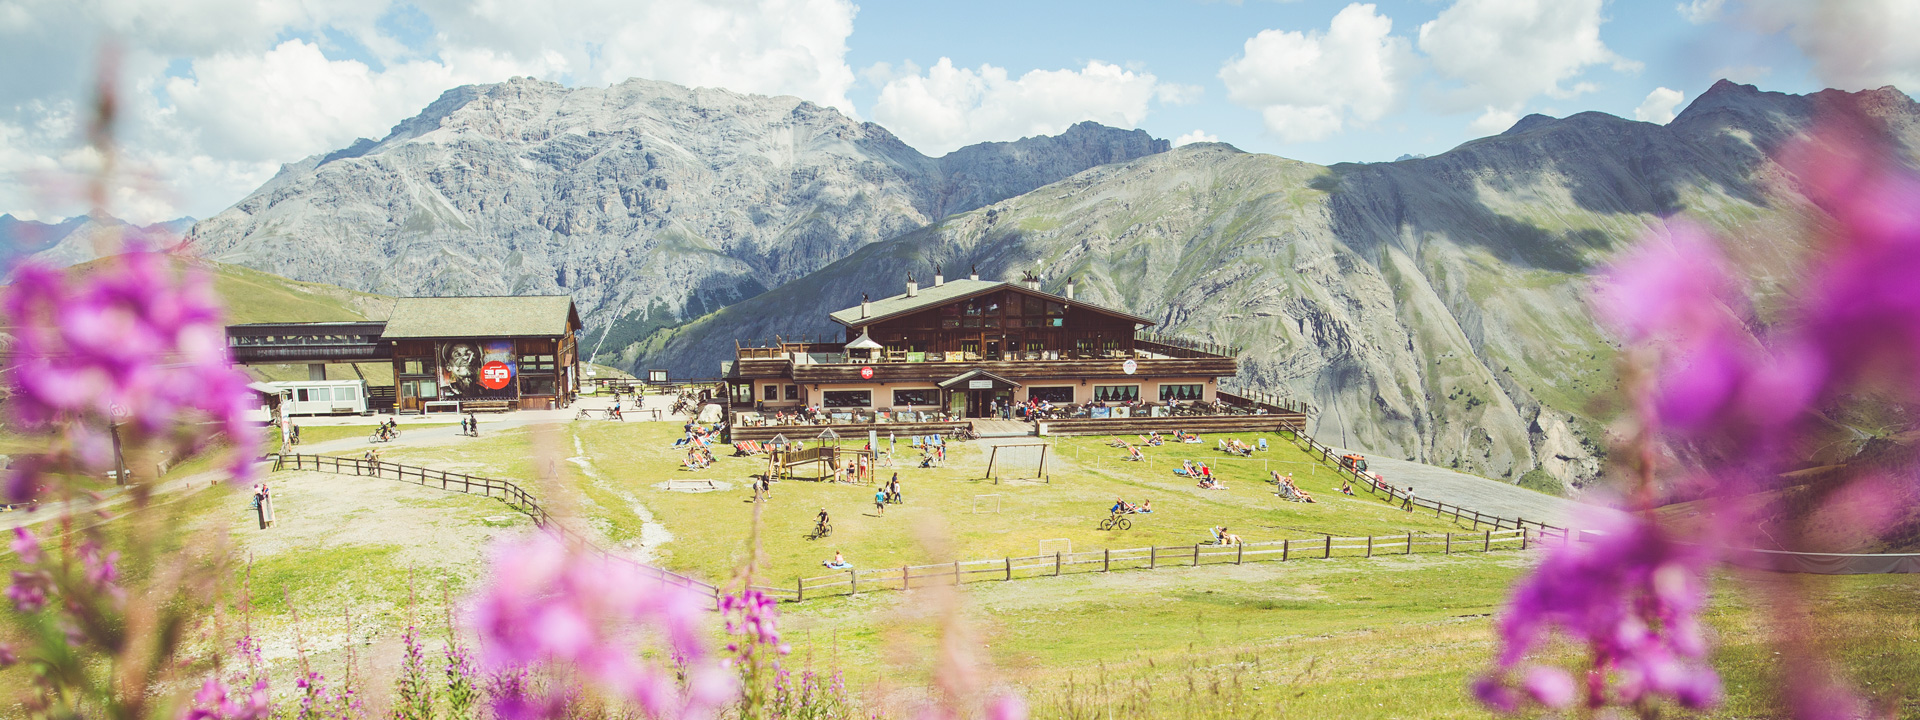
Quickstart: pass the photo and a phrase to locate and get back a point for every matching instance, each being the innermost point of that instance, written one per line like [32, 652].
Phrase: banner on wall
[478, 369]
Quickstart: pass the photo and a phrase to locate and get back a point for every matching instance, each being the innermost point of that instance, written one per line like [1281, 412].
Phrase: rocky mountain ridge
[649, 202]
[80, 238]
[1433, 308]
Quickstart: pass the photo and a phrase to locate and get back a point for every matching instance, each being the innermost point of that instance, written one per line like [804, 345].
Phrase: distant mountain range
[651, 203]
[80, 238]
[1432, 308]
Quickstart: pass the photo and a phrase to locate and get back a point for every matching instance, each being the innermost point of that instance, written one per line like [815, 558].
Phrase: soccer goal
[1063, 546]
[989, 503]
[1018, 461]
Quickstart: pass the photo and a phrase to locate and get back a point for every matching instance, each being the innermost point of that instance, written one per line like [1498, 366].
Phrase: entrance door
[976, 403]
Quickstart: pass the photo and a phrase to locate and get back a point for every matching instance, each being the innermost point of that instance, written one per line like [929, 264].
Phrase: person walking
[880, 501]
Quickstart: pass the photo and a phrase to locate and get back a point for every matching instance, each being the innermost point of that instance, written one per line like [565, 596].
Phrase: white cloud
[1854, 45]
[1493, 121]
[1178, 94]
[1505, 52]
[949, 107]
[1197, 135]
[272, 81]
[1700, 12]
[1659, 106]
[1308, 86]
[292, 101]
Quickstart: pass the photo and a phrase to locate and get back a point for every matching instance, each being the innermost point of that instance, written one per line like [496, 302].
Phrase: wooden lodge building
[957, 347]
[448, 353]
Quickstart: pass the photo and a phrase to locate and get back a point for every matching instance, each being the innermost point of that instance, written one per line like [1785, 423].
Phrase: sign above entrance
[1130, 366]
[979, 384]
[866, 373]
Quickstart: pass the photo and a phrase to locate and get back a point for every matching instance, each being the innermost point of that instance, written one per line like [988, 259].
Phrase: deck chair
[1261, 444]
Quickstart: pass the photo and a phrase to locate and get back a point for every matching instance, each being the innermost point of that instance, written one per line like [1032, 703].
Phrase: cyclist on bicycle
[820, 523]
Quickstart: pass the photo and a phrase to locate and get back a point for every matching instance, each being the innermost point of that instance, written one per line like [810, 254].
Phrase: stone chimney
[938, 279]
[866, 307]
[913, 288]
[973, 272]
[1069, 287]
[1032, 281]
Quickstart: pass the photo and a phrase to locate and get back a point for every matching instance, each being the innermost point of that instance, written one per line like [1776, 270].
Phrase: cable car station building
[448, 353]
[960, 346]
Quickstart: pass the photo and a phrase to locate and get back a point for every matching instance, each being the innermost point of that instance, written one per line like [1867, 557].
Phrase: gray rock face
[1433, 309]
[649, 202]
[81, 238]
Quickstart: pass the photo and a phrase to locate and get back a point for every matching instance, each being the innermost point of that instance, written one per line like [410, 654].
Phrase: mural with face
[478, 369]
[460, 369]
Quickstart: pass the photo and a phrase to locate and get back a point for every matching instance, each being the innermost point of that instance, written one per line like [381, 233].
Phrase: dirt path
[1477, 493]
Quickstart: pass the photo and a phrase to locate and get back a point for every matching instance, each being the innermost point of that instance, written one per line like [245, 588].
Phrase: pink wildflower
[549, 604]
[26, 546]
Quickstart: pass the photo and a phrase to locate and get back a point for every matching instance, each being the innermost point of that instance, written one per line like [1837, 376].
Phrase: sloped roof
[892, 307]
[468, 317]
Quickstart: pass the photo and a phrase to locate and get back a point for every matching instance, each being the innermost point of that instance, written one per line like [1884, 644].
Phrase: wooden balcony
[1022, 371]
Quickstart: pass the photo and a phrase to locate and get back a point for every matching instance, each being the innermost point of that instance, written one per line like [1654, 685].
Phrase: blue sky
[221, 92]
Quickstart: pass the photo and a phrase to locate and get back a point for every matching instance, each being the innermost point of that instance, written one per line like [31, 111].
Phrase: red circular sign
[495, 375]
[866, 373]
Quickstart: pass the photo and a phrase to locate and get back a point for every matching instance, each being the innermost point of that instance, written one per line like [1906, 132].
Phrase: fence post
[1196, 554]
[1153, 557]
[1056, 563]
[906, 577]
[1009, 562]
[1239, 553]
[1449, 550]
[799, 589]
[1369, 546]
[1106, 559]
[1329, 548]
[1487, 545]
[1409, 542]
[1523, 538]
[853, 582]
[1284, 547]
[956, 573]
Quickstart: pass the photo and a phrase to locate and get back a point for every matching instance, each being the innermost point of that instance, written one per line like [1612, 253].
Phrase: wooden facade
[961, 348]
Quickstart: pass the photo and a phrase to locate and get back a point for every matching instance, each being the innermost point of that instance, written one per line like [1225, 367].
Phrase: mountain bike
[1116, 521]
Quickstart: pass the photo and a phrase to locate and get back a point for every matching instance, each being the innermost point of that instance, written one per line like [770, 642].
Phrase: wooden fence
[852, 581]
[511, 494]
[1401, 497]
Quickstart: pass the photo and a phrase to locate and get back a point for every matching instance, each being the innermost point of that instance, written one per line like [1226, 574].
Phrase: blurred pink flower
[131, 339]
[548, 604]
[1633, 596]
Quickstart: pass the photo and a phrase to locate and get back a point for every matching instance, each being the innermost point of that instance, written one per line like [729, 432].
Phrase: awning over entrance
[968, 381]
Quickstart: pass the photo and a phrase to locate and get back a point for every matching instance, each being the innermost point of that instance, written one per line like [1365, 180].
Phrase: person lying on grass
[1133, 453]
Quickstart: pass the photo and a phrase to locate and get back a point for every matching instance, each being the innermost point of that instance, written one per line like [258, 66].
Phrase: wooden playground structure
[826, 462]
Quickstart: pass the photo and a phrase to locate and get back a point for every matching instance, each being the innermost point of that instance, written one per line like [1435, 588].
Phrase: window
[740, 393]
[1054, 308]
[429, 389]
[920, 398]
[972, 322]
[993, 307]
[1116, 393]
[1013, 322]
[847, 398]
[793, 392]
[536, 385]
[345, 394]
[973, 308]
[1036, 306]
[1036, 345]
[413, 366]
[993, 323]
[949, 323]
[951, 309]
[1056, 322]
[772, 393]
[1109, 345]
[300, 395]
[1058, 395]
[1179, 392]
[972, 346]
[536, 363]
